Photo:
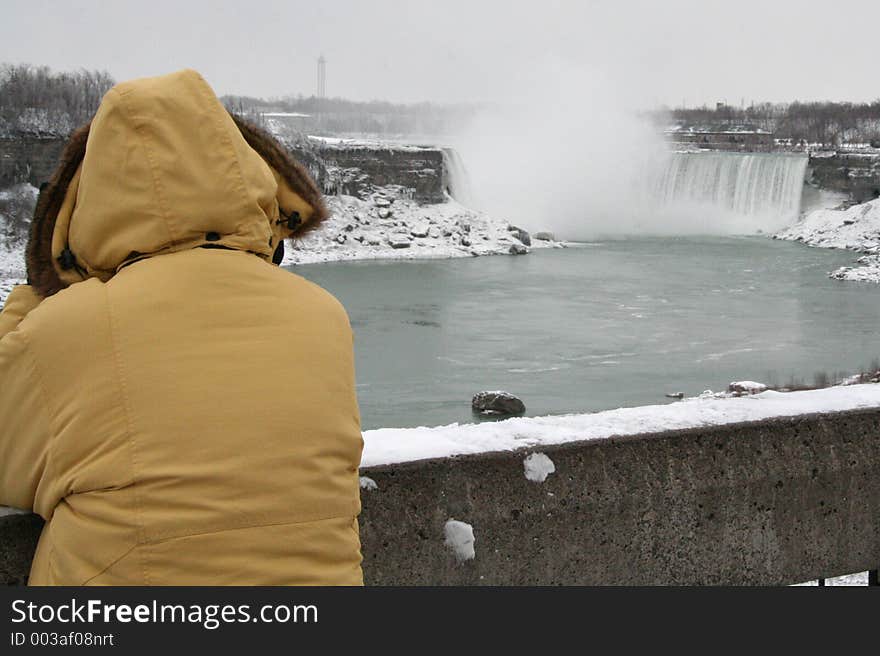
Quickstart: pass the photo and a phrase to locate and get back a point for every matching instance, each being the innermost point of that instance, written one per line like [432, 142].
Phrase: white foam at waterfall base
[589, 165]
[551, 154]
[726, 193]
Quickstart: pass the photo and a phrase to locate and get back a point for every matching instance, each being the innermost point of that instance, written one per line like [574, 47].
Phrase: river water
[611, 324]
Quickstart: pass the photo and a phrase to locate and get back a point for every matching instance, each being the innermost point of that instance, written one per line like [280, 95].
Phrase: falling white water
[458, 181]
[741, 192]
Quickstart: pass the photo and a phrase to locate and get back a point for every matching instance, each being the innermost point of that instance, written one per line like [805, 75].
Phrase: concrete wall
[771, 502]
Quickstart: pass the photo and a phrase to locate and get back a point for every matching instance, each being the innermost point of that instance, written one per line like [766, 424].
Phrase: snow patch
[538, 467]
[368, 483]
[460, 539]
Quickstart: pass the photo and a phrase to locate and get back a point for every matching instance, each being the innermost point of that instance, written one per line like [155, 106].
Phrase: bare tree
[37, 100]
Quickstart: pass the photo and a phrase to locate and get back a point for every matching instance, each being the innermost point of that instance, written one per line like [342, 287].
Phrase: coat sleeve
[24, 424]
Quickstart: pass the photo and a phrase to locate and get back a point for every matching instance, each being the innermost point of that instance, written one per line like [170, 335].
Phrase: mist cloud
[562, 150]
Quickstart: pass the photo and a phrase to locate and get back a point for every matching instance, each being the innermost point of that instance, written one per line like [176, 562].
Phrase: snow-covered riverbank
[391, 226]
[856, 228]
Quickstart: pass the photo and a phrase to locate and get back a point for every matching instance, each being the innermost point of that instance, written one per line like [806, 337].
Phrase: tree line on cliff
[38, 101]
[831, 123]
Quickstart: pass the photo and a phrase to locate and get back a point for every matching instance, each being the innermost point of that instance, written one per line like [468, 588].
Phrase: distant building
[281, 121]
[723, 137]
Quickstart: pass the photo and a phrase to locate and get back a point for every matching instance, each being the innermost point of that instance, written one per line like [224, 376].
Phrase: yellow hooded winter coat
[181, 411]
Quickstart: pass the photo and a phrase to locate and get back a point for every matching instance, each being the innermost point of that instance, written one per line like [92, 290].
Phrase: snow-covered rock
[497, 403]
[856, 228]
[744, 387]
[420, 231]
[520, 234]
[868, 271]
[392, 225]
[399, 242]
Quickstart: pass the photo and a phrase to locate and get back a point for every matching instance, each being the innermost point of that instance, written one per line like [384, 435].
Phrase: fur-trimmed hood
[163, 167]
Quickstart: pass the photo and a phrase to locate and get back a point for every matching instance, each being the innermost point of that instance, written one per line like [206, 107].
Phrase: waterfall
[761, 191]
[456, 178]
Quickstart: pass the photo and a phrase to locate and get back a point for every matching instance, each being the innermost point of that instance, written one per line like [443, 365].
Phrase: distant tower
[322, 77]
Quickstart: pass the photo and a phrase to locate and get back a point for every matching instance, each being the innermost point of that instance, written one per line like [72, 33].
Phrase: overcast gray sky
[457, 50]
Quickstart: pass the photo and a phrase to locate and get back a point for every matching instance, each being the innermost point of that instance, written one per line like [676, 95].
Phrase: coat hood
[163, 167]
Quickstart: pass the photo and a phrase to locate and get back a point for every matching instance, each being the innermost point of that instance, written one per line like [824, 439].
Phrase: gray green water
[617, 323]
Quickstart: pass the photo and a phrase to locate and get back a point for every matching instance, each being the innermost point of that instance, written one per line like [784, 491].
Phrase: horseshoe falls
[457, 179]
[731, 193]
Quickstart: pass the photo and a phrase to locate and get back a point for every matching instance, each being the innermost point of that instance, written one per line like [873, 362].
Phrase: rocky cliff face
[16, 209]
[347, 167]
[856, 174]
[28, 159]
[386, 201]
[358, 169]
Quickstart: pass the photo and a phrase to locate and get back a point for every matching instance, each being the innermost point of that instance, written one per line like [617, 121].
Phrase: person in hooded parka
[177, 408]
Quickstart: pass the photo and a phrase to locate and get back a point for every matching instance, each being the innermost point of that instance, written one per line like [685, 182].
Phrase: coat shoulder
[70, 311]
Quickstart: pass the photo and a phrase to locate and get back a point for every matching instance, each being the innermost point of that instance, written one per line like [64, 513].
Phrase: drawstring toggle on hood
[67, 261]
